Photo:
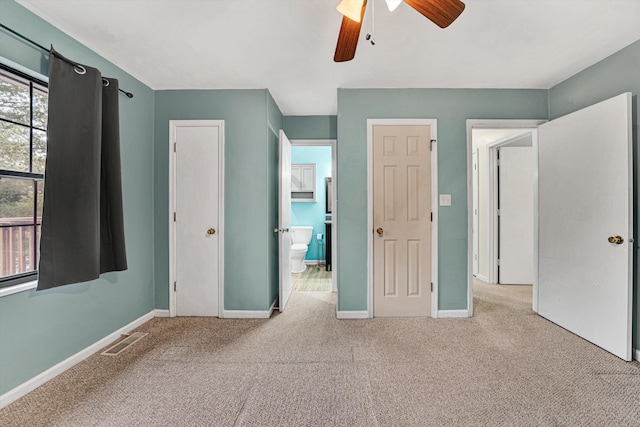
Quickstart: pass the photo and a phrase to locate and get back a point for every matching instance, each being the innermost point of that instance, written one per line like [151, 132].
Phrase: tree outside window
[23, 119]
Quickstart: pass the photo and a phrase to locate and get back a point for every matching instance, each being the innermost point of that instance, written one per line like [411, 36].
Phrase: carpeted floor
[504, 367]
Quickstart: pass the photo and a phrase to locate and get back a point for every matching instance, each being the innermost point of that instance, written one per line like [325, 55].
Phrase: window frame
[35, 85]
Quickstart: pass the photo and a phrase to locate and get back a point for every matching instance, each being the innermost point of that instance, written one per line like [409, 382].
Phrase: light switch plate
[445, 200]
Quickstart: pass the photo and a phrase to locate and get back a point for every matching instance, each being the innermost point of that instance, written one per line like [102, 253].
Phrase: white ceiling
[287, 46]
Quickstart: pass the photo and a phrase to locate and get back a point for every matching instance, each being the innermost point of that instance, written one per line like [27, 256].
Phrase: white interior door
[196, 220]
[476, 212]
[516, 215]
[585, 196]
[401, 221]
[284, 220]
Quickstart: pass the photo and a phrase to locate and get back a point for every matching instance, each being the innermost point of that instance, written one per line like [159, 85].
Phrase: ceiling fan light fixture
[352, 9]
[393, 4]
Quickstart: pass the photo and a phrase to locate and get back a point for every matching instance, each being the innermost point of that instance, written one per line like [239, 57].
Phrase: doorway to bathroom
[313, 215]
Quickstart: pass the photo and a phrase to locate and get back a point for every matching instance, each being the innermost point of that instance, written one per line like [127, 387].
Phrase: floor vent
[124, 344]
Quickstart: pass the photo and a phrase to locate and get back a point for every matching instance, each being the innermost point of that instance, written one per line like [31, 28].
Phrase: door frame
[334, 206]
[173, 125]
[433, 124]
[499, 124]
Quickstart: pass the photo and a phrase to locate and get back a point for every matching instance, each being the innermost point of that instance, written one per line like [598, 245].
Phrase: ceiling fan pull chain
[373, 23]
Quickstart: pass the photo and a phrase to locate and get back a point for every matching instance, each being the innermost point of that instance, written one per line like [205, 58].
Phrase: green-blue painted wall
[311, 127]
[40, 329]
[614, 75]
[451, 107]
[250, 164]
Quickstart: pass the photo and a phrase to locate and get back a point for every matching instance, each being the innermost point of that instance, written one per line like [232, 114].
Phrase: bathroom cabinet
[303, 182]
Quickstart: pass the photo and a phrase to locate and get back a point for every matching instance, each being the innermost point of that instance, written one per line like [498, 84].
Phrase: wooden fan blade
[441, 12]
[348, 38]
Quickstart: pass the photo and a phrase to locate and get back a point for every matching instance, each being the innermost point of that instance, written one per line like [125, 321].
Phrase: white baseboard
[364, 314]
[636, 355]
[35, 382]
[160, 313]
[250, 314]
[442, 314]
[311, 262]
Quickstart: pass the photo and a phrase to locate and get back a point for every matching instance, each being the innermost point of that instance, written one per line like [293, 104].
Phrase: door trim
[433, 124]
[499, 124]
[334, 205]
[173, 125]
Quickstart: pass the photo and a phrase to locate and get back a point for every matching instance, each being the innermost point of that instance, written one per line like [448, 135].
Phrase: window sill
[18, 288]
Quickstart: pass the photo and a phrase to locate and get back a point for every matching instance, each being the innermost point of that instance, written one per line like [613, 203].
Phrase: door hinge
[433, 141]
[498, 210]
[431, 216]
[431, 286]
[174, 217]
[175, 286]
[498, 262]
[175, 147]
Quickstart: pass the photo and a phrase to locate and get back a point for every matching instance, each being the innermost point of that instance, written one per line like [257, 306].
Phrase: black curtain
[82, 219]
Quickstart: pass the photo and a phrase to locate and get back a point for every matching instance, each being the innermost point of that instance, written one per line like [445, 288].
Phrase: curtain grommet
[79, 69]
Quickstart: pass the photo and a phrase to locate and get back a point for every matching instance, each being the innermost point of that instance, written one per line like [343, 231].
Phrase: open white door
[284, 220]
[585, 197]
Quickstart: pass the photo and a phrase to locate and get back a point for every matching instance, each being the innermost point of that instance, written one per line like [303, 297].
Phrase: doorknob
[380, 231]
[616, 239]
[211, 231]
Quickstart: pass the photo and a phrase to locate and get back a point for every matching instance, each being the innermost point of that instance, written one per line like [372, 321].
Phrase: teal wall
[40, 329]
[311, 127]
[313, 213]
[614, 75]
[451, 107]
[250, 211]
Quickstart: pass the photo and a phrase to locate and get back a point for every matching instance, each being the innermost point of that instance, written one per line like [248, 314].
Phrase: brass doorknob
[211, 231]
[616, 239]
[380, 231]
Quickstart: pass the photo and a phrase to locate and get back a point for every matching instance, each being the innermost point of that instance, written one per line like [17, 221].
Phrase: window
[23, 142]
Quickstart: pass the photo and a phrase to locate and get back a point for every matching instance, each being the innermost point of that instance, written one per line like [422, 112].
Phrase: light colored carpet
[504, 367]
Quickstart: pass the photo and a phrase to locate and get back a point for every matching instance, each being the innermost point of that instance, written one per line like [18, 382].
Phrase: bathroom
[311, 198]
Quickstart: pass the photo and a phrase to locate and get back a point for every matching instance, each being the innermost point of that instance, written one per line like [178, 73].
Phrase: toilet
[300, 239]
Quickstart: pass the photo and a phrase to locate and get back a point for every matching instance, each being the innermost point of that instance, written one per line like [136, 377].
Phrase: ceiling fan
[441, 12]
